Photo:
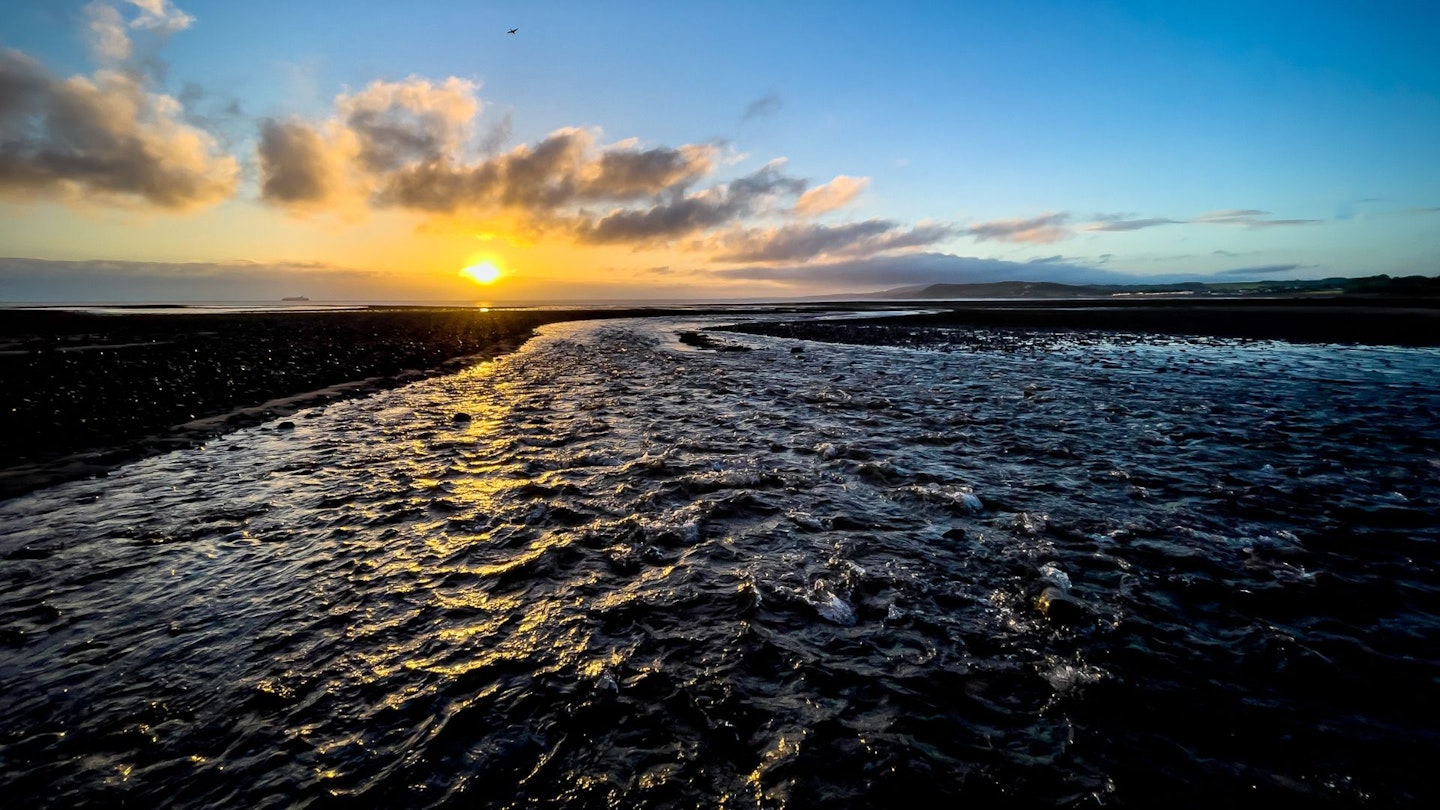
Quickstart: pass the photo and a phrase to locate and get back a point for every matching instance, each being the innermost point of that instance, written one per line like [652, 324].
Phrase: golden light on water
[484, 272]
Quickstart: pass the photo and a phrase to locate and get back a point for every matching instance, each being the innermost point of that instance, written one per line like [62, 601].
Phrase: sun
[482, 272]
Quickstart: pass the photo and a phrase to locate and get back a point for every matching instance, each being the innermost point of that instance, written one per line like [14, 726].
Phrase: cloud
[400, 123]
[1120, 223]
[803, 243]
[1249, 218]
[763, 107]
[498, 135]
[564, 169]
[105, 135]
[629, 173]
[295, 164]
[109, 34]
[1054, 227]
[831, 196]
[105, 26]
[1044, 229]
[410, 145]
[686, 214]
[160, 15]
[407, 145]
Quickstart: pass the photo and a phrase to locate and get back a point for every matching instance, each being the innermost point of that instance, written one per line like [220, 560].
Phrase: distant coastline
[1369, 286]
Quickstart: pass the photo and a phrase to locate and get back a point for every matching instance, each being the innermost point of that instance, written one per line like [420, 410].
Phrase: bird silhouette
[512, 30]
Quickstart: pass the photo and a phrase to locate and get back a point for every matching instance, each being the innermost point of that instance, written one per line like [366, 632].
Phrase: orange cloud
[833, 195]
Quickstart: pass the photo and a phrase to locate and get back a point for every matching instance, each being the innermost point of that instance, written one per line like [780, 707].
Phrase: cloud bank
[403, 145]
[41, 281]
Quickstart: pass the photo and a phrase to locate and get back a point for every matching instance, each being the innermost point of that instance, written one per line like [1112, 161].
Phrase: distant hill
[1386, 286]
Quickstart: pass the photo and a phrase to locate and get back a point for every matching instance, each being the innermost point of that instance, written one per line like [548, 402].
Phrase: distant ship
[294, 298]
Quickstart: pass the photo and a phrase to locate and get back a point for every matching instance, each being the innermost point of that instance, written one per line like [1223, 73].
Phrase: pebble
[1060, 607]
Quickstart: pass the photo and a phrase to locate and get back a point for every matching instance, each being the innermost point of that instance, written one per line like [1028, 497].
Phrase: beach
[646, 562]
[84, 392]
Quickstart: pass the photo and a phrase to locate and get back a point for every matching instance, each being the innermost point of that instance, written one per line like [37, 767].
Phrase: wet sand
[82, 393]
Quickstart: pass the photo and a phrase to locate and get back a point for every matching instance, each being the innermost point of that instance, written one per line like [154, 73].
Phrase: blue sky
[941, 141]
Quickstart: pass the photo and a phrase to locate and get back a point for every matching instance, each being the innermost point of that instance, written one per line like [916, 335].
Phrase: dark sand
[1316, 320]
[82, 393]
[1361, 321]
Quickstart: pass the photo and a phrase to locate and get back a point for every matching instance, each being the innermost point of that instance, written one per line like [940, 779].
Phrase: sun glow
[482, 272]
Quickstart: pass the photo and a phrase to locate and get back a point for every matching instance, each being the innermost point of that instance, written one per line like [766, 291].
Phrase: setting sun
[482, 273]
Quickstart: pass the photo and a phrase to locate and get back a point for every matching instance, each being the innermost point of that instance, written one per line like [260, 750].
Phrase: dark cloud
[685, 214]
[562, 170]
[544, 177]
[105, 135]
[630, 174]
[386, 144]
[763, 107]
[293, 164]
[766, 181]
[668, 220]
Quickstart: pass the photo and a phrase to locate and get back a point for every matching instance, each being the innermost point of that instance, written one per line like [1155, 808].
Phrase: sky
[185, 150]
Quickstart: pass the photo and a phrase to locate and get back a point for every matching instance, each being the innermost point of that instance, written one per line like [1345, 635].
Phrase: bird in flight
[512, 30]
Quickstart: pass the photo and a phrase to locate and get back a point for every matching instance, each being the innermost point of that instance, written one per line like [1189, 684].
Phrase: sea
[617, 569]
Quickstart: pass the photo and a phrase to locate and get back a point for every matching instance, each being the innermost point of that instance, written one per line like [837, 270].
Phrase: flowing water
[1083, 572]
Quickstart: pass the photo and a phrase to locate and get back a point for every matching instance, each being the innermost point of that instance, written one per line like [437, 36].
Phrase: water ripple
[615, 568]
